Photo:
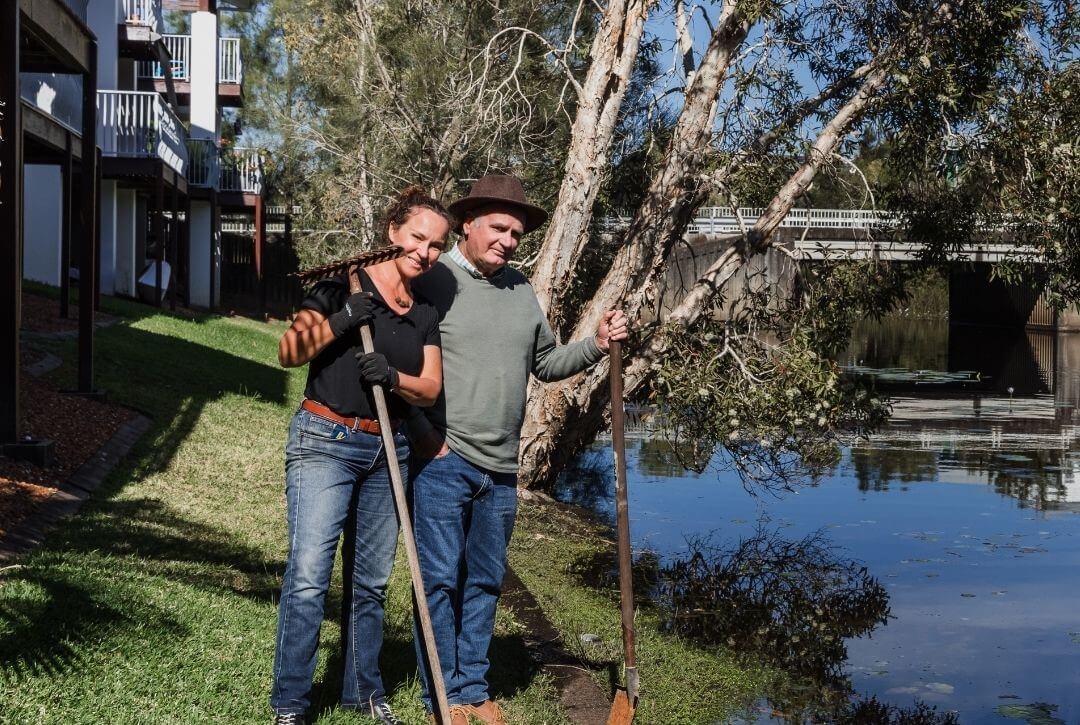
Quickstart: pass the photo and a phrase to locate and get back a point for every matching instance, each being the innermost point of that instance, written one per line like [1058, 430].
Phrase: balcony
[137, 125]
[235, 171]
[230, 70]
[241, 170]
[141, 13]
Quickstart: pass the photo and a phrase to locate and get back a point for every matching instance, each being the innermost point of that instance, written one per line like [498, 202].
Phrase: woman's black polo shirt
[333, 377]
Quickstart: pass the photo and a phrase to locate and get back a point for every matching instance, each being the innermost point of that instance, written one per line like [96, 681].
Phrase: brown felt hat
[498, 189]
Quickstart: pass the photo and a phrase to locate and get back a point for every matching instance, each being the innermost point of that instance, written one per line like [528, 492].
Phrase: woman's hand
[375, 369]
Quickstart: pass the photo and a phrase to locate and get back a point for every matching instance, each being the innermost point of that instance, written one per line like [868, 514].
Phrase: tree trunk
[600, 96]
[561, 418]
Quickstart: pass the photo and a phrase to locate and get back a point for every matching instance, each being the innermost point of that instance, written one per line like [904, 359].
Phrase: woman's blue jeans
[463, 516]
[336, 481]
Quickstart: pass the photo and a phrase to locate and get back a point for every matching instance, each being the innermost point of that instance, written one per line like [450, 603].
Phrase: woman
[336, 475]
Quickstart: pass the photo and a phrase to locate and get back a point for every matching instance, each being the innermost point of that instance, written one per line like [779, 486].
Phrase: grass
[157, 603]
[557, 554]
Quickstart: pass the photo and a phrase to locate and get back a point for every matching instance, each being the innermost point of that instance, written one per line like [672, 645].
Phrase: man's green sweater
[493, 336]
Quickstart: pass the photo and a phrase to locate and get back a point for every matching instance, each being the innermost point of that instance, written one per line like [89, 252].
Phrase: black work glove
[358, 310]
[375, 369]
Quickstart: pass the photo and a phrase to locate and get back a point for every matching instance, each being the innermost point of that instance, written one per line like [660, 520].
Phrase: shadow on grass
[61, 600]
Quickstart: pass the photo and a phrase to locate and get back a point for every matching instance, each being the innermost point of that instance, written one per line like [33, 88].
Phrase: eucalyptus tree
[802, 78]
[761, 97]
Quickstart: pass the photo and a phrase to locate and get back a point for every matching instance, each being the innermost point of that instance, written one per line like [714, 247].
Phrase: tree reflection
[794, 602]
[876, 467]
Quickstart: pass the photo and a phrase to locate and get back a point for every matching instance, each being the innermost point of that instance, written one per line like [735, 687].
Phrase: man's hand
[376, 370]
[612, 327]
[358, 310]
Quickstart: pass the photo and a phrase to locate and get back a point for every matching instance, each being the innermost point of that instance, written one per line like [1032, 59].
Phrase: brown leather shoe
[458, 716]
[487, 712]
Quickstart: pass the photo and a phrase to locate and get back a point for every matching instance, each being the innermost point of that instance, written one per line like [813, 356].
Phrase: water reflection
[796, 601]
[964, 509]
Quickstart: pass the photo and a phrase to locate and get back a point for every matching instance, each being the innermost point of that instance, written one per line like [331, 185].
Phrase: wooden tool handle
[622, 518]
[401, 503]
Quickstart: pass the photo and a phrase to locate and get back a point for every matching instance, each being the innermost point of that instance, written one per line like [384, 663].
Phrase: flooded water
[966, 508]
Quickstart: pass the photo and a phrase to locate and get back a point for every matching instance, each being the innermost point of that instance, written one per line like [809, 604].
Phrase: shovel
[353, 266]
[625, 704]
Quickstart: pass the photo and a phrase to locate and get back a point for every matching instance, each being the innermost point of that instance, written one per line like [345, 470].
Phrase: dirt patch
[583, 701]
[42, 315]
[77, 426]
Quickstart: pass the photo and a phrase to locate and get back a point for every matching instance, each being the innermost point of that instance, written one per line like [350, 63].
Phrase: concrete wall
[773, 271]
[42, 215]
[204, 241]
[109, 241]
[126, 266]
[204, 73]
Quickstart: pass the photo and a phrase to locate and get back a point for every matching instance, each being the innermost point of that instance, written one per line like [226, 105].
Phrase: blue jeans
[463, 516]
[336, 480]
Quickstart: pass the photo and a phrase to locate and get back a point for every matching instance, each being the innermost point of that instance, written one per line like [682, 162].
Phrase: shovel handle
[401, 503]
[622, 513]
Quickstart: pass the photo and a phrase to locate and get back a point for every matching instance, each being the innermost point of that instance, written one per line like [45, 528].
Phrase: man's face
[491, 236]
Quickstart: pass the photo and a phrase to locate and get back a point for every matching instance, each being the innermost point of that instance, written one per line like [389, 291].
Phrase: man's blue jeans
[336, 481]
[463, 516]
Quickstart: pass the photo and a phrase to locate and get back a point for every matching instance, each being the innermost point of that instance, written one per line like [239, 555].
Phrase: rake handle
[401, 503]
[622, 519]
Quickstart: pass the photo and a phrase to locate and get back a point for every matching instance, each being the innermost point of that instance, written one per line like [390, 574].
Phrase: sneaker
[382, 713]
[487, 712]
[289, 718]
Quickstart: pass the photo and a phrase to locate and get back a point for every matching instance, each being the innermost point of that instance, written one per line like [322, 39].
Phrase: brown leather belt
[368, 425]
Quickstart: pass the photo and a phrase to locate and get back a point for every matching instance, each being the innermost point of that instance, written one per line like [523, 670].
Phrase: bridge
[859, 234]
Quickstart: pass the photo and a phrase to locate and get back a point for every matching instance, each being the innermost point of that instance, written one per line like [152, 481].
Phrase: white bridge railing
[141, 12]
[135, 124]
[724, 219]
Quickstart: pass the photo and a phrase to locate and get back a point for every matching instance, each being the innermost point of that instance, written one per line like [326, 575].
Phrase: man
[494, 336]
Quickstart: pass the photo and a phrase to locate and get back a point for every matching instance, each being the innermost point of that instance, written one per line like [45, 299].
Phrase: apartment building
[165, 177]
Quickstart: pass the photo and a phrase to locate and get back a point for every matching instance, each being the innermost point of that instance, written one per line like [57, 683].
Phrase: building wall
[126, 266]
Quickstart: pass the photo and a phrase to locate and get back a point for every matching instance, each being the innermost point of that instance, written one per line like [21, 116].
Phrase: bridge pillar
[773, 271]
[976, 299]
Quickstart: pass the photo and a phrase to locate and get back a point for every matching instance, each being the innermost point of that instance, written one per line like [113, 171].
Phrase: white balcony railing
[203, 167]
[140, 125]
[230, 67]
[179, 47]
[241, 170]
[141, 12]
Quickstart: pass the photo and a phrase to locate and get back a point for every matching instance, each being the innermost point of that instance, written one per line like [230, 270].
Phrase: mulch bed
[78, 426]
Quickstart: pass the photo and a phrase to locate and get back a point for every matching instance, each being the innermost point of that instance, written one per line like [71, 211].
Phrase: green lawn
[157, 603]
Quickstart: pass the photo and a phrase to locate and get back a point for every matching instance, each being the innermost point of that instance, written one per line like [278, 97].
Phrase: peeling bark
[563, 417]
[614, 51]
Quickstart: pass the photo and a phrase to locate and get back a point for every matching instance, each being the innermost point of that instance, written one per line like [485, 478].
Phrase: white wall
[126, 265]
[202, 234]
[204, 73]
[42, 215]
[108, 227]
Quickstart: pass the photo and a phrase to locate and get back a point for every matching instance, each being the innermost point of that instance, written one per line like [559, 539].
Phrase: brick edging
[69, 497]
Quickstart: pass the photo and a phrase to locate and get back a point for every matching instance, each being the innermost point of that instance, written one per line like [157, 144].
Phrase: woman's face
[423, 237]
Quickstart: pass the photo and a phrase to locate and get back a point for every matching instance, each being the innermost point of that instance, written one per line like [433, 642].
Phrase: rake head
[336, 269]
